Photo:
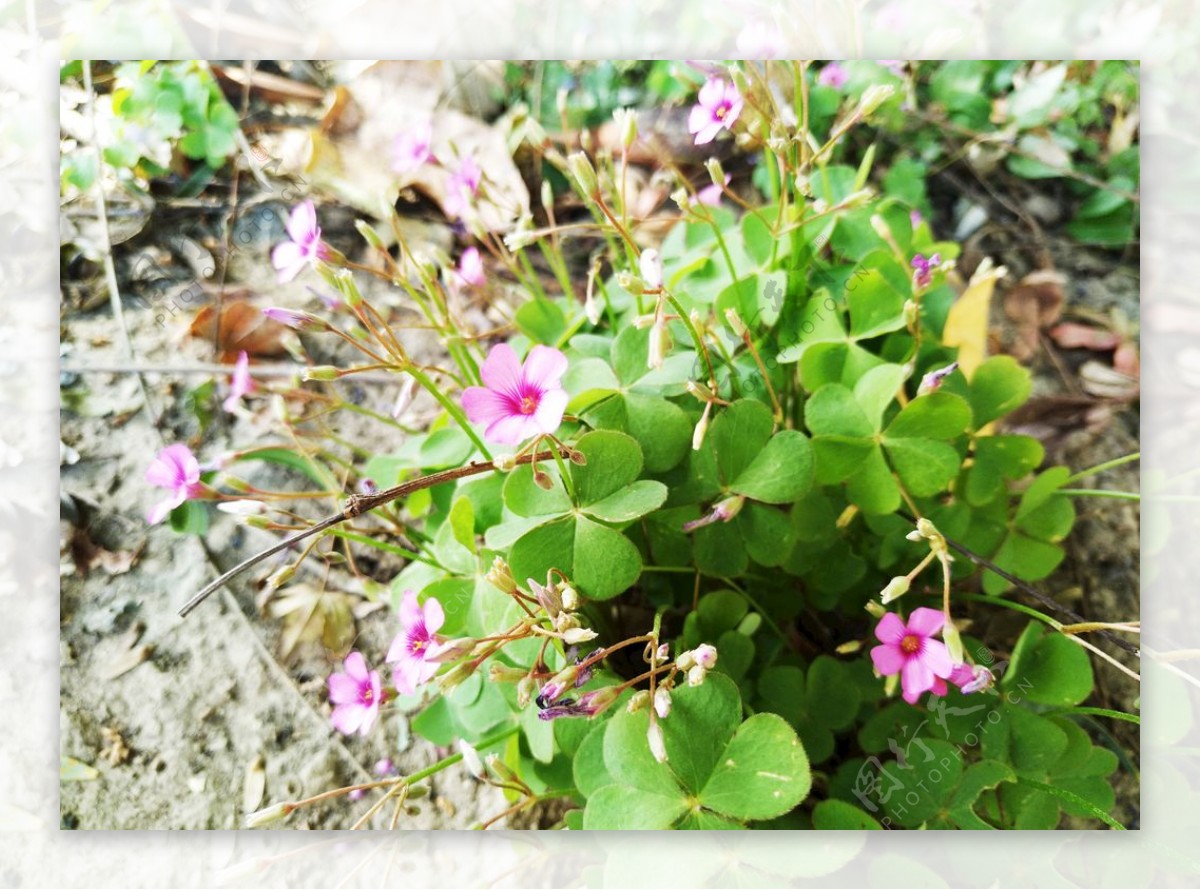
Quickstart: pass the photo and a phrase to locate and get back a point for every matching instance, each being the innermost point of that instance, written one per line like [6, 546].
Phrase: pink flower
[518, 401]
[175, 469]
[295, 319]
[461, 187]
[355, 695]
[710, 195]
[914, 217]
[833, 75]
[912, 652]
[971, 678]
[717, 107]
[240, 383]
[290, 257]
[410, 651]
[470, 269]
[413, 148]
[923, 268]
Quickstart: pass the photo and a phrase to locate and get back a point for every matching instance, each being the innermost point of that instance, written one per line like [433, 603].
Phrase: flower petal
[890, 629]
[288, 259]
[410, 610]
[699, 118]
[512, 429]
[936, 657]
[355, 667]
[343, 689]
[926, 622]
[544, 367]
[708, 133]
[435, 617]
[346, 719]
[302, 223]
[370, 712]
[915, 678]
[888, 659]
[711, 93]
[549, 413]
[159, 511]
[501, 371]
[484, 406]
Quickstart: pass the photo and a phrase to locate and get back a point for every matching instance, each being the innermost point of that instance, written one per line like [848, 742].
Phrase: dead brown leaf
[243, 327]
[1072, 335]
[1035, 303]
[87, 555]
[128, 655]
[1105, 382]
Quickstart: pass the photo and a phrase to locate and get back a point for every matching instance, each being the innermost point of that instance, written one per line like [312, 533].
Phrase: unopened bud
[505, 463]
[369, 234]
[471, 759]
[626, 119]
[662, 702]
[651, 266]
[895, 589]
[874, 609]
[660, 344]
[585, 174]
[500, 576]
[716, 172]
[735, 322]
[547, 195]
[270, 814]
[570, 599]
[874, 96]
[456, 676]
[701, 429]
[654, 737]
[321, 372]
[953, 641]
[525, 689]
[279, 577]
[631, 283]
[911, 312]
[706, 656]
[639, 701]
[577, 635]
[503, 673]
[696, 675]
[662, 653]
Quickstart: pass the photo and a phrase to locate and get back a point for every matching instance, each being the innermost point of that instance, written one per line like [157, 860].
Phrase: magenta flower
[833, 75]
[413, 148]
[175, 469]
[470, 269]
[923, 268]
[290, 257]
[410, 651]
[717, 107]
[240, 383]
[911, 651]
[971, 678]
[518, 401]
[461, 187]
[356, 695]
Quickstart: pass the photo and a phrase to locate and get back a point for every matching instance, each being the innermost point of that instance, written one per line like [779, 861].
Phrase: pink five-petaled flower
[833, 75]
[290, 257]
[410, 651]
[717, 107]
[518, 401]
[923, 268]
[240, 383]
[175, 469]
[461, 187]
[910, 651]
[356, 695]
[413, 148]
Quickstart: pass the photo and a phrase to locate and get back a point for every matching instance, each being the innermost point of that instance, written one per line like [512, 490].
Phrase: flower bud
[716, 172]
[911, 312]
[895, 589]
[577, 635]
[471, 759]
[270, 814]
[701, 429]
[953, 641]
[662, 702]
[654, 737]
[570, 599]
[631, 283]
[627, 127]
[639, 701]
[933, 381]
[503, 673]
[321, 372]
[696, 675]
[451, 650]
[547, 195]
[456, 676]
[369, 234]
[505, 463]
[660, 344]
[543, 479]
[500, 576]
[662, 653]
[874, 96]
[525, 688]
[874, 609]
[706, 656]
[279, 577]
[651, 266]
[735, 322]
[584, 173]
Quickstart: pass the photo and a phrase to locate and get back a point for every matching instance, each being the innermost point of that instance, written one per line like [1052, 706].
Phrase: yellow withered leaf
[967, 323]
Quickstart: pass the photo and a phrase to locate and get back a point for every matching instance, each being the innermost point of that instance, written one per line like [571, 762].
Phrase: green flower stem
[445, 762]
[1101, 493]
[374, 415]
[1107, 465]
[385, 546]
[1096, 712]
[696, 339]
[451, 408]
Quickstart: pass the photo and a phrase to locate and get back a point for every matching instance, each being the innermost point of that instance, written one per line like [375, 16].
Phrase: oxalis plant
[697, 543]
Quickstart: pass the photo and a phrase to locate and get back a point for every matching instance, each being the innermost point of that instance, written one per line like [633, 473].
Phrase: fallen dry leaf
[1105, 382]
[310, 614]
[129, 655]
[1035, 303]
[87, 555]
[255, 785]
[1072, 335]
[243, 327]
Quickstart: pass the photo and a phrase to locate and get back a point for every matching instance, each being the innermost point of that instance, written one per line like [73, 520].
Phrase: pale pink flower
[518, 401]
[911, 651]
[833, 75]
[305, 246]
[717, 107]
[710, 195]
[240, 383]
[175, 469]
[923, 268]
[470, 269]
[355, 694]
[410, 652]
[461, 187]
[413, 148]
